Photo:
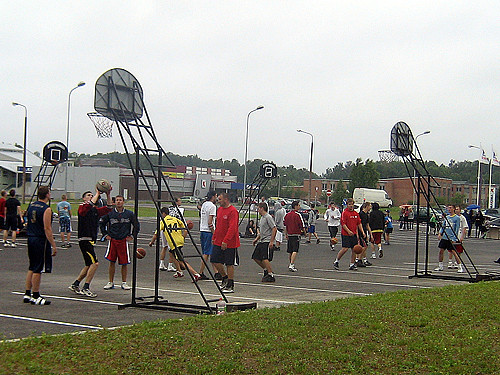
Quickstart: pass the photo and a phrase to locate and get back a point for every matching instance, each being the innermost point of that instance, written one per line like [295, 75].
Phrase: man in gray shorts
[263, 253]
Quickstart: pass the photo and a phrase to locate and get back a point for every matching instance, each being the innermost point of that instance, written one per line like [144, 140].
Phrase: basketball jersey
[173, 223]
[35, 219]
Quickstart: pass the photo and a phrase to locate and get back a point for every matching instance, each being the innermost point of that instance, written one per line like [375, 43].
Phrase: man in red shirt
[226, 240]
[351, 227]
[294, 227]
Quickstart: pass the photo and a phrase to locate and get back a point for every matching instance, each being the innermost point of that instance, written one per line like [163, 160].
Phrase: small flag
[495, 160]
[484, 158]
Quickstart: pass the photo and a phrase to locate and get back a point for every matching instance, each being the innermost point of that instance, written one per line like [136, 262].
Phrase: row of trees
[358, 173]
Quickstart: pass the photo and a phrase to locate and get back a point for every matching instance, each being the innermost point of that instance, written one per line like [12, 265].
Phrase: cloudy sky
[345, 71]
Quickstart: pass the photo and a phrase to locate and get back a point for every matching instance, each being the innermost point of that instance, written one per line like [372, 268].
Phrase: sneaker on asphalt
[308, 241]
[268, 279]
[68, 245]
[125, 286]
[277, 248]
[178, 275]
[218, 276]
[27, 299]
[380, 253]
[359, 263]
[171, 268]
[224, 283]
[64, 246]
[450, 265]
[366, 263]
[203, 277]
[13, 244]
[336, 265]
[455, 265]
[438, 268]
[163, 267]
[353, 268]
[109, 285]
[228, 289]
[196, 277]
[6, 244]
[39, 301]
[265, 272]
[317, 241]
[292, 268]
[88, 293]
[75, 289]
[374, 256]
[460, 270]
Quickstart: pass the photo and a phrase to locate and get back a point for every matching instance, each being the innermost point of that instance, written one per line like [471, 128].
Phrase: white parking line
[78, 299]
[363, 273]
[306, 289]
[48, 321]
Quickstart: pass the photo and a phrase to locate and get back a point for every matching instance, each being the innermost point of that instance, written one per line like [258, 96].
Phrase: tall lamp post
[80, 84]
[310, 161]
[478, 172]
[246, 153]
[24, 147]
[279, 184]
[414, 170]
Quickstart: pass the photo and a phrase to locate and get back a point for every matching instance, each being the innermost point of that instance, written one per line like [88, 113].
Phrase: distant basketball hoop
[103, 125]
[387, 156]
[55, 152]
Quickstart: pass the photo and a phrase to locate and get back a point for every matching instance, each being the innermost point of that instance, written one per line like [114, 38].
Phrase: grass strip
[450, 330]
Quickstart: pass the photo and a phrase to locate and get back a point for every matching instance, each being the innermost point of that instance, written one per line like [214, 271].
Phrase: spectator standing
[447, 236]
[121, 226]
[208, 211]
[388, 228]
[266, 234]
[294, 227]
[226, 240]
[41, 246]
[279, 217]
[332, 217]
[12, 211]
[311, 224]
[64, 212]
[377, 223]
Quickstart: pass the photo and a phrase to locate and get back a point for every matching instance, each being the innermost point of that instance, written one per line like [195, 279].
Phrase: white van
[361, 195]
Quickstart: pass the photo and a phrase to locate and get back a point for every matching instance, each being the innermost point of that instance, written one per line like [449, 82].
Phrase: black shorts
[262, 252]
[177, 254]
[39, 255]
[349, 241]
[333, 231]
[88, 252]
[229, 257]
[446, 244]
[11, 223]
[388, 230]
[2, 222]
[292, 245]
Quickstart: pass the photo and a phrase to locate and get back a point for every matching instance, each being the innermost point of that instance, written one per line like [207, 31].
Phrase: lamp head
[259, 107]
[80, 84]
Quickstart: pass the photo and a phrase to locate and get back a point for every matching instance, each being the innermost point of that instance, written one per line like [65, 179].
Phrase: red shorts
[459, 248]
[377, 237]
[118, 249]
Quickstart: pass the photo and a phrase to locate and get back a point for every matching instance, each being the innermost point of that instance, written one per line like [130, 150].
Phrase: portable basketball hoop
[387, 156]
[103, 125]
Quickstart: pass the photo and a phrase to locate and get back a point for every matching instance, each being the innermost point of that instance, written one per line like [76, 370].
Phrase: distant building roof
[11, 157]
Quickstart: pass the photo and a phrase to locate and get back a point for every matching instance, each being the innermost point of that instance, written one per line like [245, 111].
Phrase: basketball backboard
[118, 95]
[55, 152]
[401, 139]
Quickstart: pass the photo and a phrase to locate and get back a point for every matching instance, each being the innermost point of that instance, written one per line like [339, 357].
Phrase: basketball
[103, 185]
[334, 241]
[358, 249]
[141, 253]
[190, 224]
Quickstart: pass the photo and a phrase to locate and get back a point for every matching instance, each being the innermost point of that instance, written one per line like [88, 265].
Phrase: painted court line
[363, 272]
[48, 321]
[78, 299]
[354, 281]
[307, 289]
[217, 295]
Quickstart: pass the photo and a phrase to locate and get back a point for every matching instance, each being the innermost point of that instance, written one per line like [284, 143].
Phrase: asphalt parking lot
[316, 280]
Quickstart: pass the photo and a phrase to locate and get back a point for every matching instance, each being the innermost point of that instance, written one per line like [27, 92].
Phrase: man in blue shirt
[447, 236]
[64, 212]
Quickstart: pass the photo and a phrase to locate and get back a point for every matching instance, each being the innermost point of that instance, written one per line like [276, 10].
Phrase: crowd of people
[361, 232]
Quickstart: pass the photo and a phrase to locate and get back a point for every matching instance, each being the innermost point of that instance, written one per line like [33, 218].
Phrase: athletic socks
[86, 286]
[76, 283]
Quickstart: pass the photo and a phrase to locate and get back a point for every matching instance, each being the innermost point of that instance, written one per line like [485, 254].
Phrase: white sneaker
[438, 268]
[460, 269]
[292, 268]
[171, 268]
[109, 285]
[450, 265]
[374, 256]
[163, 267]
[125, 286]
[13, 244]
[455, 265]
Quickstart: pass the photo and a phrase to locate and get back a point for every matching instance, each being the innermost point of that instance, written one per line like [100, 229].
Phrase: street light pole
[246, 153]
[414, 170]
[80, 84]
[24, 147]
[478, 172]
[310, 162]
[279, 184]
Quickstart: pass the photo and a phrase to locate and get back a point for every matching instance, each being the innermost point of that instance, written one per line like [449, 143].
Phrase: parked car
[189, 199]
[492, 212]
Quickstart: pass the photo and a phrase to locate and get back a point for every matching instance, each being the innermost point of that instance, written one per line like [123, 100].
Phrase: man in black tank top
[41, 246]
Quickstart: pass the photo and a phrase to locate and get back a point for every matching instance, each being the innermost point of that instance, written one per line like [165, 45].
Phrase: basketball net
[102, 124]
